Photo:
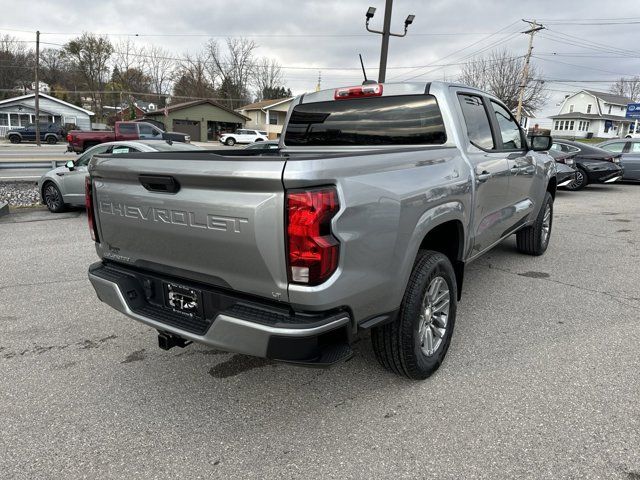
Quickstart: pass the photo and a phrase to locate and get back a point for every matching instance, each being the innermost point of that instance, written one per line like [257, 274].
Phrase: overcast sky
[327, 35]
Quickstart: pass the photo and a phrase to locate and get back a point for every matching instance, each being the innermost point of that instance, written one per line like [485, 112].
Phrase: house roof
[590, 116]
[265, 104]
[49, 97]
[610, 97]
[182, 106]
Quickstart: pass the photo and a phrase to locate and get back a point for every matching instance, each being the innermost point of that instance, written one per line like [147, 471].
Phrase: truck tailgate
[224, 225]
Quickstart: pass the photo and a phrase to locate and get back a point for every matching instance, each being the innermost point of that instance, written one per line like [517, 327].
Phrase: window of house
[25, 119]
[273, 118]
[4, 119]
[587, 127]
[14, 120]
[570, 108]
[580, 126]
[561, 125]
[571, 125]
[589, 108]
[556, 125]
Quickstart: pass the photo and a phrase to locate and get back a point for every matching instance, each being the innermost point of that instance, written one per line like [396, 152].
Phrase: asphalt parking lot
[542, 379]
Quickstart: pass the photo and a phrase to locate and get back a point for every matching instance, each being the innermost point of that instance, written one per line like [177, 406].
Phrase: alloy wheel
[52, 197]
[546, 224]
[434, 316]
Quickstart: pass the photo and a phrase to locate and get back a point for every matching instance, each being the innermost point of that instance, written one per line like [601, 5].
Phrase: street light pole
[386, 34]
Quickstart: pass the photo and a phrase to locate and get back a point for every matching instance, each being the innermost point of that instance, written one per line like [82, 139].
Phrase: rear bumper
[231, 323]
[74, 148]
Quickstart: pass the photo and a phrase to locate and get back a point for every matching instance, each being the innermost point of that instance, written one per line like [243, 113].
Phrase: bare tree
[233, 68]
[627, 87]
[159, 67]
[500, 73]
[16, 65]
[267, 77]
[192, 78]
[90, 54]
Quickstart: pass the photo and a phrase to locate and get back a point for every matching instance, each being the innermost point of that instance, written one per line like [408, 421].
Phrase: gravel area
[19, 194]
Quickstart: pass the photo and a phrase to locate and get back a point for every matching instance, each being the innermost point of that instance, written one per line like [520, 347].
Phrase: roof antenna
[366, 82]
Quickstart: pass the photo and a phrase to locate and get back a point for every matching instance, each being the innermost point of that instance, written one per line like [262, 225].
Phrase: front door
[522, 166]
[491, 173]
[631, 161]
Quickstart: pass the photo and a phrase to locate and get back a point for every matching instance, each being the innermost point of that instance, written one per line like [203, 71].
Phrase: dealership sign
[633, 110]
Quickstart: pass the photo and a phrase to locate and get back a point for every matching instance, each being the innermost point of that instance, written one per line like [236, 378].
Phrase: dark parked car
[565, 170]
[630, 160]
[49, 132]
[593, 164]
[268, 147]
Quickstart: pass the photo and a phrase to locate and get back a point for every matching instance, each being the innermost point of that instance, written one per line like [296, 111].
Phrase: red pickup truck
[79, 140]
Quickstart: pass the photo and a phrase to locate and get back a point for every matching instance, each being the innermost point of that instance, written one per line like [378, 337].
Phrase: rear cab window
[375, 121]
[476, 121]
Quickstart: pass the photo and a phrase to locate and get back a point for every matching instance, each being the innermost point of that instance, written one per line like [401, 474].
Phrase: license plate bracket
[183, 299]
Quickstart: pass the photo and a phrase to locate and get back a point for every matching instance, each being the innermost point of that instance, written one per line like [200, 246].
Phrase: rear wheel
[52, 140]
[230, 142]
[534, 240]
[415, 344]
[53, 198]
[15, 139]
[580, 182]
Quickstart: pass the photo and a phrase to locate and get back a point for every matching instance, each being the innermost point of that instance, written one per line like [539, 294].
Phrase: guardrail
[25, 165]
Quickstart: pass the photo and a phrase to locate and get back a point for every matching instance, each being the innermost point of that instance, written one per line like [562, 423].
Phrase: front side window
[86, 157]
[476, 121]
[635, 147]
[148, 131]
[373, 121]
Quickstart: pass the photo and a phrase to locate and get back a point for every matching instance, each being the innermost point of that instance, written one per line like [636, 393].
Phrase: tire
[51, 140]
[259, 140]
[534, 240]
[230, 142]
[402, 346]
[15, 139]
[581, 181]
[53, 198]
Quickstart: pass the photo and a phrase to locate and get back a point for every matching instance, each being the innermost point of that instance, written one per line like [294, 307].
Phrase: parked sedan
[630, 161]
[593, 165]
[565, 170]
[64, 186]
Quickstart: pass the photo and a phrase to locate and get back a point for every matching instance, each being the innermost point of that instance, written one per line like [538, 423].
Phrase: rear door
[73, 180]
[490, 219]
[201, 216]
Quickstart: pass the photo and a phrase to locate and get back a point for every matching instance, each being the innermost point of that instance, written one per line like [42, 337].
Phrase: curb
[4, 209]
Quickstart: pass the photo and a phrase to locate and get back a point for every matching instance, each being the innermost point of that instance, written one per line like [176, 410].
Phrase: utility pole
[535, 27]
[37, 82]
[386, 34]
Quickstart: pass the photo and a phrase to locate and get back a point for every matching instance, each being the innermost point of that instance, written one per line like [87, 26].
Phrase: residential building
[268, 115]
[20, 111]
[201, 119]
[589, 113]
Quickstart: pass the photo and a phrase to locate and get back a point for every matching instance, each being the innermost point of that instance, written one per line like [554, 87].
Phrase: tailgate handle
[159, 183]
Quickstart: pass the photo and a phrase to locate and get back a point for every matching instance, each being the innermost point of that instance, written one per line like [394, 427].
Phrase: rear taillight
[91, 214]
[358, 92]
[313, 250]
[69, 138]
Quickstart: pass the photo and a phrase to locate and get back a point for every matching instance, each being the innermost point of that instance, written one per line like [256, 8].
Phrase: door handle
[483, 177]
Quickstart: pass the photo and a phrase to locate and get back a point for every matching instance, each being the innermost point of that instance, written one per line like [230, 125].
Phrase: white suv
[243, 136]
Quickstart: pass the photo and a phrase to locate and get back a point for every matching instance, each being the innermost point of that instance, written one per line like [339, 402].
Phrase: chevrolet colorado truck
[80, 141]
[364, 220]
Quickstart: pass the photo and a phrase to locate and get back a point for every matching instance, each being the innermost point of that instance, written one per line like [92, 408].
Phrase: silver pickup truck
[364, 219]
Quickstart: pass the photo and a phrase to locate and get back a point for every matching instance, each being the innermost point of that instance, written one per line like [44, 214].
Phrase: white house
[20, 111]
[267, 115]
[588, 113]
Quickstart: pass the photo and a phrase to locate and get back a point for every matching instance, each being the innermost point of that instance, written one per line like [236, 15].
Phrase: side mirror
[541, 143]
[70, 165]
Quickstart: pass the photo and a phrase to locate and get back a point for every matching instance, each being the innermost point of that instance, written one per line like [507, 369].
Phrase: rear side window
[477, 121]
[397, 120]
[128, 128]
[614, 147]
